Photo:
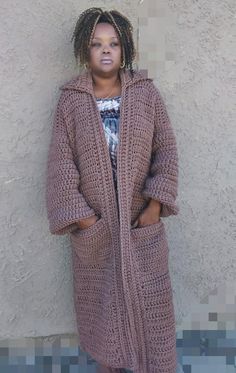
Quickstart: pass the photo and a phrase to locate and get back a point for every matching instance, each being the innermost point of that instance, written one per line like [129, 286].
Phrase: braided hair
[85, 27]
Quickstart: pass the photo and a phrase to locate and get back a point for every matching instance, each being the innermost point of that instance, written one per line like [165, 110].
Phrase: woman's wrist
[153, 203]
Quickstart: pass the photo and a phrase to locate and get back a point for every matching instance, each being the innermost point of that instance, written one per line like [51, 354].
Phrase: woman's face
[105, 50]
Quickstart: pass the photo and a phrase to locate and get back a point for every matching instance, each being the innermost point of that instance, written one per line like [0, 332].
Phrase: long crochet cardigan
[122, 287]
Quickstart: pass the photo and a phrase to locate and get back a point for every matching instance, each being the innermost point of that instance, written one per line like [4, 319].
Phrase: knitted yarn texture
[122, 287]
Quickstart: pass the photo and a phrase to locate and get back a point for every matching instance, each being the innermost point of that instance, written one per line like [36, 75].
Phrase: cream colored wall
[187, 47]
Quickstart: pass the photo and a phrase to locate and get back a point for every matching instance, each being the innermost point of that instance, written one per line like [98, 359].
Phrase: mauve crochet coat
[122, 287]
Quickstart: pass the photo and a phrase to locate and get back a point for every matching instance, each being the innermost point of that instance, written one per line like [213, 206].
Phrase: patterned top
[110, 113]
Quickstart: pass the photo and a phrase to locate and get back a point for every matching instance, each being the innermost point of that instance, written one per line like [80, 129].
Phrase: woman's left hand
[150, 215]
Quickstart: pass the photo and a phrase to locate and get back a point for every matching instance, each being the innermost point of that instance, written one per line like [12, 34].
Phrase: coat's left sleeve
[162, 182]
[65, 204]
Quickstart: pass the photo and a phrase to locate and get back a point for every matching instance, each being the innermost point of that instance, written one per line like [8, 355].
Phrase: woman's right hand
[87, 222]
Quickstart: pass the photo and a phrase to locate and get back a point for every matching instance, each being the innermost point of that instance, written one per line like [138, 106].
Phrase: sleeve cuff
[168, 205]
[68, 223]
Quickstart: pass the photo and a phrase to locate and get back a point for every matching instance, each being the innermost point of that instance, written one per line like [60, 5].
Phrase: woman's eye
[97, 44]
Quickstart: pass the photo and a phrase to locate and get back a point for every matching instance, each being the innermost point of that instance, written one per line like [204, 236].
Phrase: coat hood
[83, 81]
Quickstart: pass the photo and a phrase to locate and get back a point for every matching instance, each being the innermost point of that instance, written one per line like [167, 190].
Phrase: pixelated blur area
[205, 343]
[199, 351]
[155, 52]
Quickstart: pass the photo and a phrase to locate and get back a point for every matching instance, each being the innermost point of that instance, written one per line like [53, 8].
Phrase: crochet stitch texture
[122, 287]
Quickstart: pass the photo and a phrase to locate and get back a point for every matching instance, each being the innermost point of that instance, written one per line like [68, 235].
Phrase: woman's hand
[87, 222]
[150, 215]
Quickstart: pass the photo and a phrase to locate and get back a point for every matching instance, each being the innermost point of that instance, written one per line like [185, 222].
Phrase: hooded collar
[83, 82]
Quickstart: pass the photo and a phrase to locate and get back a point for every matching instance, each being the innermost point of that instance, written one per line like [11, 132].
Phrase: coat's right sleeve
[162, 182]
[65, 204]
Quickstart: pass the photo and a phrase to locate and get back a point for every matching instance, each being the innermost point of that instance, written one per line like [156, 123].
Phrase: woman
[112, 176]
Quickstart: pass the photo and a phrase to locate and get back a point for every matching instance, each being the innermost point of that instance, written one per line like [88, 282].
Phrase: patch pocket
[92, 244]
[150, 248]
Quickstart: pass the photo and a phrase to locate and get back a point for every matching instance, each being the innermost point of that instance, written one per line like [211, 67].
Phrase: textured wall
[190, 57]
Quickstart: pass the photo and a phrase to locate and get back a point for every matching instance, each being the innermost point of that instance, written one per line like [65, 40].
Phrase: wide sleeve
[65, 204]
[162, 181]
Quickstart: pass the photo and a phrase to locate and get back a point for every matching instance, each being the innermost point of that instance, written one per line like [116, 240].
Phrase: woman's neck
[103, 86]
[103, 83]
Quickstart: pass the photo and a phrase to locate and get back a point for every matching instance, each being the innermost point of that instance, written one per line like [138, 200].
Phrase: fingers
[135, 224]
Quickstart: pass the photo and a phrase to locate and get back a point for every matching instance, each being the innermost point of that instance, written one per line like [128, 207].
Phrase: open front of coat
[122, 287]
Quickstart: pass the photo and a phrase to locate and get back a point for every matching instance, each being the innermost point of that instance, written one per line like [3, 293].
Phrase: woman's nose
[106, 50]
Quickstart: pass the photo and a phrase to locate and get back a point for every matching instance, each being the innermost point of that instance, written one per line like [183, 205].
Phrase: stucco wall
[192, 64]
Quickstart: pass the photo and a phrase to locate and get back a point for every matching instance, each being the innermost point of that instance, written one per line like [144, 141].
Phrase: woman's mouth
[106, 61]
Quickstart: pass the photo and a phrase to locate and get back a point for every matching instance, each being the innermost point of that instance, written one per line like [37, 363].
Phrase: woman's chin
[107, 66]
[106, 69]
